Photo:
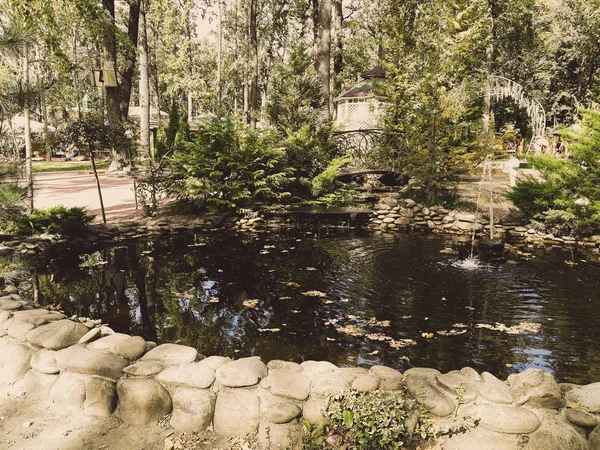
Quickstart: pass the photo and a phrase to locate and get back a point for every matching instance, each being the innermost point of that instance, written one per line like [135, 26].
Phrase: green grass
[60, 166]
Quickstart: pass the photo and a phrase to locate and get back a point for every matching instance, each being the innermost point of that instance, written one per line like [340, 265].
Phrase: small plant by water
[371, 420]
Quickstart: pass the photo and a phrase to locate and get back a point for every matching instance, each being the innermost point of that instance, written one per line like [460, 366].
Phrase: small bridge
[372, 150]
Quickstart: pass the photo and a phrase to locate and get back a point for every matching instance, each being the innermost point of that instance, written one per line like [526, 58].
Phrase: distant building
[359, 107]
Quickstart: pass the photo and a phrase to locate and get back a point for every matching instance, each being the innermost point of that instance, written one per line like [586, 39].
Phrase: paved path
[79, 189]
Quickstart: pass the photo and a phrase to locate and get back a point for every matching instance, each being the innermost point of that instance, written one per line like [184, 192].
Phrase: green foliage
[90, 133]
[570, 196]
[11, 194]
[378, 420]
[225, 167]
[322, 181]
[294, 110]
[58, 220]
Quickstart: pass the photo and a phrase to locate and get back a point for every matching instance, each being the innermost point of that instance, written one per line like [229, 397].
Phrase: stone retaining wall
[82, 364]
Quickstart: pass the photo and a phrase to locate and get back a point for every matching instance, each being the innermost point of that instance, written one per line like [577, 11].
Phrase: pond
[352, 299]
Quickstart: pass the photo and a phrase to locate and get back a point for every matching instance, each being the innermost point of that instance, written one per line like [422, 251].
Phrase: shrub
[59, 220]
[378, 420]
[11, 195]
[533, 197]
[322, 181]
[226, 166]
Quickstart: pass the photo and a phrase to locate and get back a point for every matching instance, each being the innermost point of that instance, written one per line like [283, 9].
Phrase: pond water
[396, 300]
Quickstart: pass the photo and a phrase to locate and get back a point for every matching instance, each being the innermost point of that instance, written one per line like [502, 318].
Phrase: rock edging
[44, 354]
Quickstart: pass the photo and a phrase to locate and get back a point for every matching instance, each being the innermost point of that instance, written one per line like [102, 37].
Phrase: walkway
[79, 189]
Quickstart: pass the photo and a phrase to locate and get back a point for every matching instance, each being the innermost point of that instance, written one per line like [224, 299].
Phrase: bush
[225, 167]
[59, 220]
[533, 197]
[378, 420]
[322, 181]
[11, 195]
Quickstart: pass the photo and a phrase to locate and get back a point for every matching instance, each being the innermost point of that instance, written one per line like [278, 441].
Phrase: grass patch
[61, 166]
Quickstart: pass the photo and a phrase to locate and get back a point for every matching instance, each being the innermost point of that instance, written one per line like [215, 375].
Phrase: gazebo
[358, 108]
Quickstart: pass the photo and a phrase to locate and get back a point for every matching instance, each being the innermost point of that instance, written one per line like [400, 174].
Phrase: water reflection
[247, 295]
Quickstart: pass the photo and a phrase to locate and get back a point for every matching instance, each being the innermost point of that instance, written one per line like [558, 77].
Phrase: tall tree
[144, 83]
[323, 51]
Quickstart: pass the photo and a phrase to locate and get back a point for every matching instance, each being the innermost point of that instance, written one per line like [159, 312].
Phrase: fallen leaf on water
[284, 251]
[427, 335]
[314, 294]
[459, 325]
[345, 300]
[406, 317]
[378, 337]
[401, 343]
[330, 339]
[285, 298]
[310, 268]
[523, 327]
[264, 252]
[292, 284]
[250, 303]
[332, 321]
[373, 322]
[213, 300]
[269, 330]
[327, 302]
[570, 263]
[351, 330]
[373, 353]
[405, 358]
[470, 308]
[451, 332]
[269, 246]
[443, 299]
[296, 311]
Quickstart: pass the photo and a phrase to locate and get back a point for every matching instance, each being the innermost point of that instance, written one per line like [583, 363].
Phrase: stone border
[84, 365]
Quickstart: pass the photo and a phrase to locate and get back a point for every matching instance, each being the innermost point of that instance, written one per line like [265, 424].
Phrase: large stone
[366, 383]
[503, 419]
[466, 218]
[142, 401]
[595, 439]
[236, 412]
[587, 397]
[19, 329]
[171, 354]
[285, 365]
[38, 384]
[555, 433]
[581, 417]
[422, 384]
[277, 410]
[191, 375]
[288, 384]
[100, 397]
[69, 390]
[314, 369]
[83, 360]
[57, 335]
[330, 382]
[15, 360]
[45, 361]
[7, 304]
[494, 390]
[479, 438]
[314, 412]
[144, 369]
[280, 436]
[241, 373]
[214, 362]
[38, 316]
[193, 409]
[461, 388]
[128, 347]
[90, 336]
[536, 389]
[390, 379]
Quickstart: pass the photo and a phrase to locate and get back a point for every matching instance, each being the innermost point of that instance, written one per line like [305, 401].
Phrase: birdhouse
[104, 78]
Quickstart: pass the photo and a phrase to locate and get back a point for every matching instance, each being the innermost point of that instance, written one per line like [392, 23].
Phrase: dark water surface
[192, 290]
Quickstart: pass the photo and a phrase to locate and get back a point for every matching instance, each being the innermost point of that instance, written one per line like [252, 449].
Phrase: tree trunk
[125, 87]
[253, 64]
[339, 47]
[109, 54]
[323, 52]
[219, 55]
[144, 84]
[27, 134]
[489, 60]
